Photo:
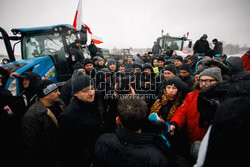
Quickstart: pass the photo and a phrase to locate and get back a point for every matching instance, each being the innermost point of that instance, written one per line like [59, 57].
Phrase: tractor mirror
[5, 61]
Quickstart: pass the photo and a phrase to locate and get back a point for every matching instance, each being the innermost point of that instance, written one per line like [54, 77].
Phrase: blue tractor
[44, 50]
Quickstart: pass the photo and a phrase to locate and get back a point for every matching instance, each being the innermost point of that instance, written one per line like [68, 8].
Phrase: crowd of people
[99, 117]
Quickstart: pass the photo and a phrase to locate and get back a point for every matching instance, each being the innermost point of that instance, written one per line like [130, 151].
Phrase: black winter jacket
[201, 46]
[80, 125]
[128, 149]
[229, 138]
[40, 132]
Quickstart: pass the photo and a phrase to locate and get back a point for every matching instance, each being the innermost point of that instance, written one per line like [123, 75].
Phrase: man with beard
[187, 114]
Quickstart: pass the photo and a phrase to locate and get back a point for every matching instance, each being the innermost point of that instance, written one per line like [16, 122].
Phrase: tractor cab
[172, 45]
[44, 50]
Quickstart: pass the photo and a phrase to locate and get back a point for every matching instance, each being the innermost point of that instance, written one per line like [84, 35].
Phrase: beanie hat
[160, 59]
[87, 61]
[136, 65]
[171, 68]
[179, 58]
[214, 72]
[174, 81]
[185, 67]
[147, 65]
[78, 65]
[45, 87]
[80, 81]
[111, 61]
[95, 58]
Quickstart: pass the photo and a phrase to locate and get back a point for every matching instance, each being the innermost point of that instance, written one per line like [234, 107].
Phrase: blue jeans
[200, 54]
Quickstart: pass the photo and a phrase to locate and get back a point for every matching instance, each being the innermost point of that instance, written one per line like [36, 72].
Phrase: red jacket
[246, 62]
[188, 114]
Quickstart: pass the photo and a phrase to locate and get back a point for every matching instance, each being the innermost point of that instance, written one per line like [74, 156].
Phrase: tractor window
[42, 45]
[174, 44]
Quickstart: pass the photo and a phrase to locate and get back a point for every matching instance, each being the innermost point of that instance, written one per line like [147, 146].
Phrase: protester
[89, 68]
[30, 82]
[112, 65]
[81, 122]
[218, 47]
[129, 146]
[76, 54]
[93, 49]
[188, 113]
[174, 93]
[192, 60]
[201, 46]
[186, 77]
[66, 89]
[178, 62]
[156, 49]
[40, 127]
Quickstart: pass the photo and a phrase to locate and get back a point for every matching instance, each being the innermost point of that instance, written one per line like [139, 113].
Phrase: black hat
[45, 87]
[87, 61]
[80, 81]
[160, 59]
[171, 68]
[215, 40]
[185, 67]
[78, 65]
[147, 65]
[136, 65]
[204, 36]
[33, 77]
[179, 58]
[78, 41]
[178, 83]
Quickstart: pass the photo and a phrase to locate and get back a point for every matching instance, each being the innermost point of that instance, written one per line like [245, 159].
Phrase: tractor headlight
[12, 87]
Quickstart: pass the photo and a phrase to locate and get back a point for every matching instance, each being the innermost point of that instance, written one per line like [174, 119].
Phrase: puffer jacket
[188, 114]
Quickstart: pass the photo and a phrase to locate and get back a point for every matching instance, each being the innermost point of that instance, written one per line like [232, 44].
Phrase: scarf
[159, 103]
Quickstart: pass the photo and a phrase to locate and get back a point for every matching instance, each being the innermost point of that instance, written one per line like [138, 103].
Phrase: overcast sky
[136, 23]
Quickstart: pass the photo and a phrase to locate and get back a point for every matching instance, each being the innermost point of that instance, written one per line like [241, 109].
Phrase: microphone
[165, 126]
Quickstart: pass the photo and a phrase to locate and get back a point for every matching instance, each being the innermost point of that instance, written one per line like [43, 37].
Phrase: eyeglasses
[207, 81]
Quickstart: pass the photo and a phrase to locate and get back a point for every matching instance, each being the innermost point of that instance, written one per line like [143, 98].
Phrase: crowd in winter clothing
[100, 115]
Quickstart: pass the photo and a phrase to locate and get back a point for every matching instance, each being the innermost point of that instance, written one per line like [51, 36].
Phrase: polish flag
[78, 17]
[96, 39]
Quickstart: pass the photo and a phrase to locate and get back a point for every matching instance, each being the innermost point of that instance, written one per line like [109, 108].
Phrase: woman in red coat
[246, 60]
[187, 114]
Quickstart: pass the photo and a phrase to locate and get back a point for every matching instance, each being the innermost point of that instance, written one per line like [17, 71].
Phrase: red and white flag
[78, 16]
[96, 39]
[78, 23]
